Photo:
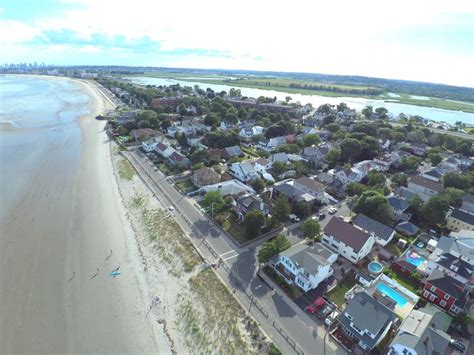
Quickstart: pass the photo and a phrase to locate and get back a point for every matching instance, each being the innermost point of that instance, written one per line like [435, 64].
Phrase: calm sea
[38, 124]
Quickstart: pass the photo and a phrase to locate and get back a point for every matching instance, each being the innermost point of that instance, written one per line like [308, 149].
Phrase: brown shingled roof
[346, 233]
[429, 184]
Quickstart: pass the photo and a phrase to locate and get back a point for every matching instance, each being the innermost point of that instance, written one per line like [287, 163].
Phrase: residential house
[304, 265]
[231, 187]
[142, 134]
[423, 187]
[435, 174]
[178, 159]
[315, 154]
[398, 207]
[272, 144]
[348, 241]
[423, 332]
[309, 130]
[250, 202]
[302, 189]
[384, 144]
[458, 219]
[407, 228]
[158, 102]
[366, 320]
[281, 157]
[227, 125]
[363, 167]
[382, 233]
[468, 203]
[218, 154]
[150, 144]
[446, 292]
[346, 176]
[419, 149]
[385, 161]
[205, 176]
[454, 256]
[405, 194]
[233, 151]
[249, 132]
[261, 165]
[164, 150]
[244, 171]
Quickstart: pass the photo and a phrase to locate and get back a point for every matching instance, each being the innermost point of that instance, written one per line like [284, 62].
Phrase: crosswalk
[229, 255]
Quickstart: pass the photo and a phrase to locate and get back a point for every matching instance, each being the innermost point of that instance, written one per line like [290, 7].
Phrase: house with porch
[305, 266]
[398, 208]
[382, 233]
[302, 189]
[366, 320]
[205, 176]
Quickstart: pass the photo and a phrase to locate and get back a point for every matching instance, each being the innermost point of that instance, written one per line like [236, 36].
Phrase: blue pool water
[401, 301]
[415, 259]
[375, 267]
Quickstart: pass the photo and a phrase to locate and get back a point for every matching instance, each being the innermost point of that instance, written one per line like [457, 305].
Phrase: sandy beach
[66, 232]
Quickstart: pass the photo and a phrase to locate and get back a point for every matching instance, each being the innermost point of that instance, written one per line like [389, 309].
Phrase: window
[446, 297]
[433, 289]
[426, 294]
[432, 297]
[442, 303]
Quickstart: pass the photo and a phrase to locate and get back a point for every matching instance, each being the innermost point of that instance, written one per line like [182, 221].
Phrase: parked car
[325, 311]
[331, 318]
[321, 216]
[171, 208]
[457, 344]
[294, 218]
[332, 210]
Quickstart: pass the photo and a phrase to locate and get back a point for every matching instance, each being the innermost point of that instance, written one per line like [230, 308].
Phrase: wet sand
[55, 252]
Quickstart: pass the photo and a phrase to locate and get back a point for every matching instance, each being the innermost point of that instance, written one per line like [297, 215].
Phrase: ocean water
[38, 126]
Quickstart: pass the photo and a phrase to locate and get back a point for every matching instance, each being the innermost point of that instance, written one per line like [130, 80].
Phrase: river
[354, 102]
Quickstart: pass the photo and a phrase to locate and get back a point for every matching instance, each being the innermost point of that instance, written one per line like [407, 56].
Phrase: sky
[418, 40]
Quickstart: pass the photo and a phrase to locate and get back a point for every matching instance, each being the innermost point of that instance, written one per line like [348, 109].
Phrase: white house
[261, 165]
[149, 145]
[164, 150]
[304, 265]
[273, 143]
[346, 176]
[244, 171]
[385, 161]
[249, 132]
[382, 233]
[348, 241]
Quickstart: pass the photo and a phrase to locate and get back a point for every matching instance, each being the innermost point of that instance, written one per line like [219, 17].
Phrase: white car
[294, 218]
[331, 318]
[171, 208]
[332, 210]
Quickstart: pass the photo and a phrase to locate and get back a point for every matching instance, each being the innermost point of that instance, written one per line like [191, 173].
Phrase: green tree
[355, 188]
[333, 127]
[311, 228]
[212, 119]
[375, 178]
[310, 139]
[434, 211]
[279, 167]
[416, 203]
[400, 179]
[258, 185]
[410, 163]
[254, 221]
[367, 111]
[182, 109]
[301, 209]
[289, 148]
[453, 196]
[453, 179]
[281, 209]
[434, 158]
[272, 247]
[333, 157]
[342, 107]
[382, 112]
[350, 149]
[213, 200]
[373, 204]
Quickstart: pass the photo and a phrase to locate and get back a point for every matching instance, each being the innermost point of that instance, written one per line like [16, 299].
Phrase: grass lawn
[393, 248]
[337, 294]
[406, 282]
[236, 230]
[185, 186]
[126, 171]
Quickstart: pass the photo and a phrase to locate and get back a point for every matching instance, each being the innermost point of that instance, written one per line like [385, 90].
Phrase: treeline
[338, 89]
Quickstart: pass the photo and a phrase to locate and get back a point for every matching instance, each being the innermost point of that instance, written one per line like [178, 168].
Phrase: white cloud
[342, 37]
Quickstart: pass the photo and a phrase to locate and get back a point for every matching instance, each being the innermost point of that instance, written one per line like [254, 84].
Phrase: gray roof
[367, 314]
[398, 203]
[308, 257]
[370, 225]
[407, 228]
[468, 198]
[424, 331]
[463, 216]
[404, 193]
[446, 283]
[457, 265]
[283, 157]
[234, 151]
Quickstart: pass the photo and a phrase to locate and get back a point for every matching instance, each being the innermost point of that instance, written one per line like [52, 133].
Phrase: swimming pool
[414, 258]
[399, 299]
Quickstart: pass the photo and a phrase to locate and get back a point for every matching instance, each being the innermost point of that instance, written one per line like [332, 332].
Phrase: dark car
[456, 344]
[321, 216]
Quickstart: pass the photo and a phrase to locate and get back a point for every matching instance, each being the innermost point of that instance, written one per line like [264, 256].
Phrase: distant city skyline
[420, 41]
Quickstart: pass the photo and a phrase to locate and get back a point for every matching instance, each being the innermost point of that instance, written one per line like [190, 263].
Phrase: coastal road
[282, 315]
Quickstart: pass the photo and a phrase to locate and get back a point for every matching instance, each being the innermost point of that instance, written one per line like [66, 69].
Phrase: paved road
[280, 317]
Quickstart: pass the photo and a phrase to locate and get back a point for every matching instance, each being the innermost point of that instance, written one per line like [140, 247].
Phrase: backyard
[337, 294]
[393, 248]
[185, 186]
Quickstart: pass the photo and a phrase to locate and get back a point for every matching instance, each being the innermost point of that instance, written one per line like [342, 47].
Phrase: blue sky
[415, 40]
